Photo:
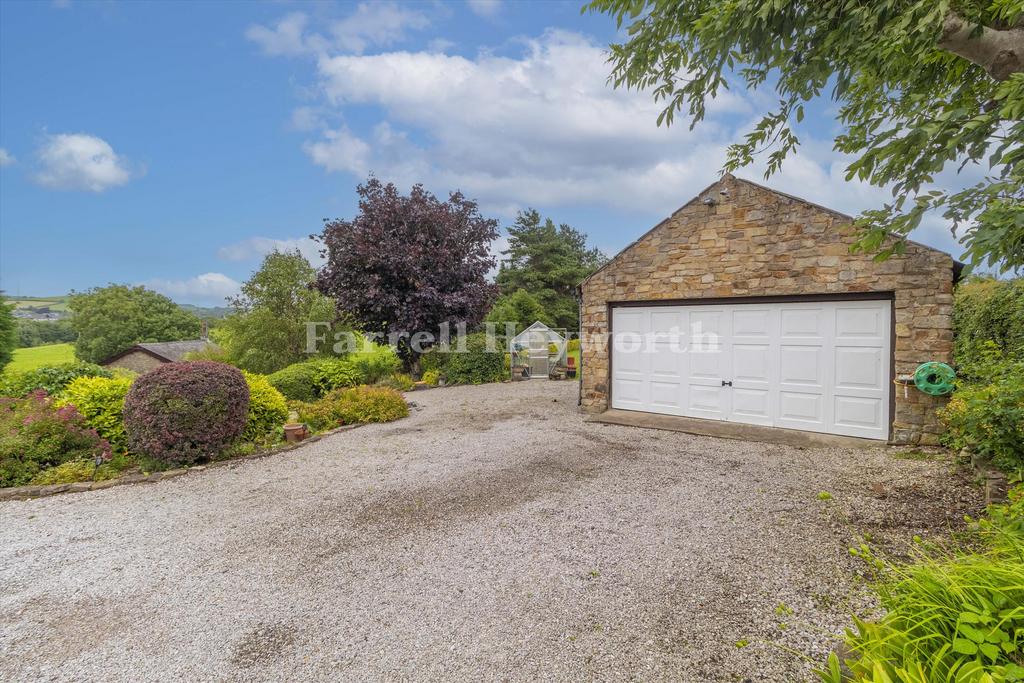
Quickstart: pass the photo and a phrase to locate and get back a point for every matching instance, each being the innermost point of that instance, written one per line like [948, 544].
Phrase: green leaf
[964, 646]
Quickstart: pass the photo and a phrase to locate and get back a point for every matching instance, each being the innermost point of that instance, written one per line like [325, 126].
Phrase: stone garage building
[746, 305]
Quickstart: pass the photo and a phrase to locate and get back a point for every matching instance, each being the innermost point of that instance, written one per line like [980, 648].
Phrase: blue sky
[173, 144]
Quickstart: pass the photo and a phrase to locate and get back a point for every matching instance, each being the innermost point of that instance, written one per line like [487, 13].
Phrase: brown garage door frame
[770, 299]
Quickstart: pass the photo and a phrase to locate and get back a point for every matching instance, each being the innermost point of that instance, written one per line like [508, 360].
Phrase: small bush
[50, 378]
[433, 359]
[431, 377]
[297, 382]
[80, 470]
[100, 400]
[573, 345]
[36, 435]
[398, 381]
[476, 365]
[987, 417]
[182, 412]
[335, 373]
[357, 405]
[268, 410]
[375, 363]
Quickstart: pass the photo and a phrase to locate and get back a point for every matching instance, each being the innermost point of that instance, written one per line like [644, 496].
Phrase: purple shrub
[183, 412]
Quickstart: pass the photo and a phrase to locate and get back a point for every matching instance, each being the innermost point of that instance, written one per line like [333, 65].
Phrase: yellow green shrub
[100, 400]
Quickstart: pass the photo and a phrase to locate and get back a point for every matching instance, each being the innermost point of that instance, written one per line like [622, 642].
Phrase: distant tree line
[40, 332]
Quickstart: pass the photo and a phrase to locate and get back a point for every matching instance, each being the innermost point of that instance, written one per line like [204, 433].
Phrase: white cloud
[6, 158]
[371, 24]
[208, 288]
[484, 8]
[76, 161]
[339, 150]
[543, 128]
[285, 38]
[379, 23]
[258, 247]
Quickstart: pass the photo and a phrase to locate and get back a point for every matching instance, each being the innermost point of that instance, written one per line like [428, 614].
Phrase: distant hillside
[56, 307]
[207, 311]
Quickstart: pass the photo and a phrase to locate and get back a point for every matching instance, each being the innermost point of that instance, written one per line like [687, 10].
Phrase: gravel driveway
[492, 535]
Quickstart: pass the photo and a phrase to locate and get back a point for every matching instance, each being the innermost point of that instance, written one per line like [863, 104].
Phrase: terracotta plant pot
[295, 432]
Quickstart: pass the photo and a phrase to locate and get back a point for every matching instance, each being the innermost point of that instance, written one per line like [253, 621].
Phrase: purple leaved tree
[407, 264]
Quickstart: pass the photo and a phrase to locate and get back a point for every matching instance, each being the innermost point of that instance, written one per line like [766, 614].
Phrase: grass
[53, 303]
[51, 354]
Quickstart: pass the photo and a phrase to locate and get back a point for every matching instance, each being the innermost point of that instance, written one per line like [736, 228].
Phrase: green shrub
[213, 353]
[297, 382]
[953, 614]
[100, 400]
[431, 377]
[268, 410]
[987, 417]
[375, 363]
[36, 435]
[398, 381]
[50, 378]
[182, 412]
[356, 405]
[986, 310]
[475, 365]
[573, 345]
[80, 470]
[335, 373]
[365, 366]
[433, 359]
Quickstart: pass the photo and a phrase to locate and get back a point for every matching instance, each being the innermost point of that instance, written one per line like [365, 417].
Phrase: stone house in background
[145, 357]
[809, 335]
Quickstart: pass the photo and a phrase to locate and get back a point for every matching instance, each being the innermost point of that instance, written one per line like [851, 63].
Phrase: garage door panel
[667, 323]
[858, 413]
[858, 368]
[802, 408]
[814, 366]
[861, 322]
[751, 362]
[800, 365]
[751, 323]
[754, 405]
[666, 395]
[665, 361]
[802, 322]
[707, 401]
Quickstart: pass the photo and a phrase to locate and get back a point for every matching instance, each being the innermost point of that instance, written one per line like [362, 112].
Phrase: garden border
[30, 491]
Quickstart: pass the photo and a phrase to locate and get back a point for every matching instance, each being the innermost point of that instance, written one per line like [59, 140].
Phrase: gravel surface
[492, 535]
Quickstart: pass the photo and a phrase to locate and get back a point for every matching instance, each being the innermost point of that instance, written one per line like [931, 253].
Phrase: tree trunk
[999, 52]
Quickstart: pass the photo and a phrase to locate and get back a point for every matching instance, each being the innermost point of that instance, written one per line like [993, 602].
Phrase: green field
[26, 359]
[57, 304]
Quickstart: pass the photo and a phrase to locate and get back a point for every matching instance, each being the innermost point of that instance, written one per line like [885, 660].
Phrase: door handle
[726, 384]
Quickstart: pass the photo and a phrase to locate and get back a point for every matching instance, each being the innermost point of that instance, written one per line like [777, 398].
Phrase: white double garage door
[817, 366]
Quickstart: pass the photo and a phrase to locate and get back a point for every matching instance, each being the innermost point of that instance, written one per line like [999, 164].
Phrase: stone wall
[136, 361]
[756, 242]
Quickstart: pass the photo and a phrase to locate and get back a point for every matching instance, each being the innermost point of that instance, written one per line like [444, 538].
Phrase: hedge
[986, 310]
[475, 365]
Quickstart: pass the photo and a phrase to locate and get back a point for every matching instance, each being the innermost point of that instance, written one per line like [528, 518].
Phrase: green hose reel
[934, 378]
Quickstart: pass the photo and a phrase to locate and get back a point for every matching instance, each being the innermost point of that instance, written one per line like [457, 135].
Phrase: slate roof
[168, 352]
